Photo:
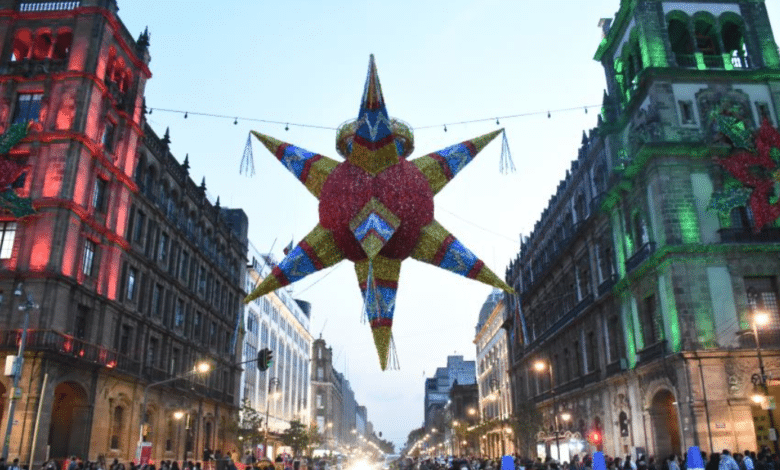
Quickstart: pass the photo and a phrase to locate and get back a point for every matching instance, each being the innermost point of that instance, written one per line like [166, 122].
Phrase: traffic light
[264, 359]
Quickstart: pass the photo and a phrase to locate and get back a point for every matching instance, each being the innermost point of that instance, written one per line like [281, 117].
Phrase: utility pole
[26, 306]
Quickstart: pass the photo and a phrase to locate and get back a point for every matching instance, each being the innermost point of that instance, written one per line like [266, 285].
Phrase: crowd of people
[724, 460]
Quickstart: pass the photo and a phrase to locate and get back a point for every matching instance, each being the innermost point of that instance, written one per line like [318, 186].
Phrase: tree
[526, 424]
[315, 438]
[250, 426]
[296, 436]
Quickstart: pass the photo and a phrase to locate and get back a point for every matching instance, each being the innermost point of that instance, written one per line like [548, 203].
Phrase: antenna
[323, 327]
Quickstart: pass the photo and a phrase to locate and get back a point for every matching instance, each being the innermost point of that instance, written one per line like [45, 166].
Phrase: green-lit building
[640, 282]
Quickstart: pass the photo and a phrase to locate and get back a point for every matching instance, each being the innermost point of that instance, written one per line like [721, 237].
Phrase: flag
[288, 248]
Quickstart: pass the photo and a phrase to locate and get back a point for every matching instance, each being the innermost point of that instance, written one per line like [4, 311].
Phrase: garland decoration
[755, 163]
[10, 171]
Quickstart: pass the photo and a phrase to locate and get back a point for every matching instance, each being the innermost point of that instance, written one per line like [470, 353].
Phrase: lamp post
[201, 368]
[25, 306]
[540, 366]
[273, 384]
[761, 319]
[178, 415]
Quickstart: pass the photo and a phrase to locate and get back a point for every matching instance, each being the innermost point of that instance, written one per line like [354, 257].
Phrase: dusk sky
[440, 62]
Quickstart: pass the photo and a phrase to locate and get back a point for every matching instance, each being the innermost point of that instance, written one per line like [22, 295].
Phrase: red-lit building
[137, 276]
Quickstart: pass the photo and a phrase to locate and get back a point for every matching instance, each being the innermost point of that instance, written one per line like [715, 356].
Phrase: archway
[666, 424]
[69, 426]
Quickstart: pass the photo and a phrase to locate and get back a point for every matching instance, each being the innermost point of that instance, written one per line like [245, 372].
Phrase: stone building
[280, 323]
[636, 298]
[437, 389]
[495, 397]
[137, 275]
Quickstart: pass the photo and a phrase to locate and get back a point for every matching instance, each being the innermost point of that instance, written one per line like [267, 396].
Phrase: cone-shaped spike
[382, 336]
[316, 251]
[374, 146]
[441, 167]
[438, 247]
[310, 168]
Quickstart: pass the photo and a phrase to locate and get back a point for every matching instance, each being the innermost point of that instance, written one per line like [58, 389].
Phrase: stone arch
[705, 32]
[663, 420]
[62, 43]
[41, 45]
[69, 426]
[680, 37]
[22, 44]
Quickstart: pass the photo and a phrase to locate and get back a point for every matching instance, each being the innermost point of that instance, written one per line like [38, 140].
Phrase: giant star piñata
[376, 209]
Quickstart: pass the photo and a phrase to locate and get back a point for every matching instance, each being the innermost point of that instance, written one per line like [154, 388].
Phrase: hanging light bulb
[185, 114]
[497, 123]
[548, 114]
[235, 122]
[445, 128]
[150, 110]
[586, 110]
[287, 127]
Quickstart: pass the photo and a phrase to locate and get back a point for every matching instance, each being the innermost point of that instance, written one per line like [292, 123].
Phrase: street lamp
[201, 368]
[541, 366]
[496, 390]
[761, 318]
[25, 306]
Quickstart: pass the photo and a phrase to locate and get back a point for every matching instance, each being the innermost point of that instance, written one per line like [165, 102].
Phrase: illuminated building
[280, 323]
[138, 276]
[634, 295]
[495, 397]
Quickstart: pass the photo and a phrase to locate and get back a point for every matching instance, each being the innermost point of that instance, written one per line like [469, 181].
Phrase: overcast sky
[439, 61]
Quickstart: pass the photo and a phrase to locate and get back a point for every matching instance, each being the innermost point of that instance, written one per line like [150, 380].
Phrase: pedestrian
[15, 465]
[727, 462]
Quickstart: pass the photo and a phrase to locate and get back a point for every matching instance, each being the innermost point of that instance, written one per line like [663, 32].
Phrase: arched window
[41, 45]
[706, 35]
[733, 35]
[22, 44]
[62, 44]
[679, 36]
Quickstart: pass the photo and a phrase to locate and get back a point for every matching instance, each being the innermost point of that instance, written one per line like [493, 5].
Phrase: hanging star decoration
[755, 164]
[10, 171]
[376, 209]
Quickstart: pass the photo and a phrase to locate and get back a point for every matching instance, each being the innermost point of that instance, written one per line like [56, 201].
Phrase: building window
[139, 226]
[124, 340]
[763, 112]
[80, 325]
[179, 314]
[591, 351]
[196, 325]
[151, 353]
[7, 236]
[686, 112]
[28, 107]
[157, 298]
[132, 273]
[108, 137]
[99, 195]
[319, 402]
[762, 296]
[117, 427]
[89, 257]
[613, 332]
[163, 246]
[649, 328]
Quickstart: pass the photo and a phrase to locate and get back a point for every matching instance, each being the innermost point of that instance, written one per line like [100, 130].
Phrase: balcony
[617, 366]
[640, 256]
[607, 285]
[714, 62]
[656, 350]
[36, 6]
[61, 344]
[30, 68]
[687, 61]
[746, 235]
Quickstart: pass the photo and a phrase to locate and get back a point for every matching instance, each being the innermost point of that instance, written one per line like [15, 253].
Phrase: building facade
[437, 389]
[495, 395]
[280, 323]
[633, 323]
[136, 275]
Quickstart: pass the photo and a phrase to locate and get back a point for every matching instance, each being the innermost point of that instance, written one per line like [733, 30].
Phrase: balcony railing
[616, 366]
[31, 6]
[61, 344]
[640, 256]
[740, 62]
[654, 351]
[746, 235]
[29, 67]
[714, 62]
[607, 285]
[686, 60]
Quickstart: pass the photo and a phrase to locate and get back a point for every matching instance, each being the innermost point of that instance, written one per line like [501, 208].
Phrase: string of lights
[287, 124]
